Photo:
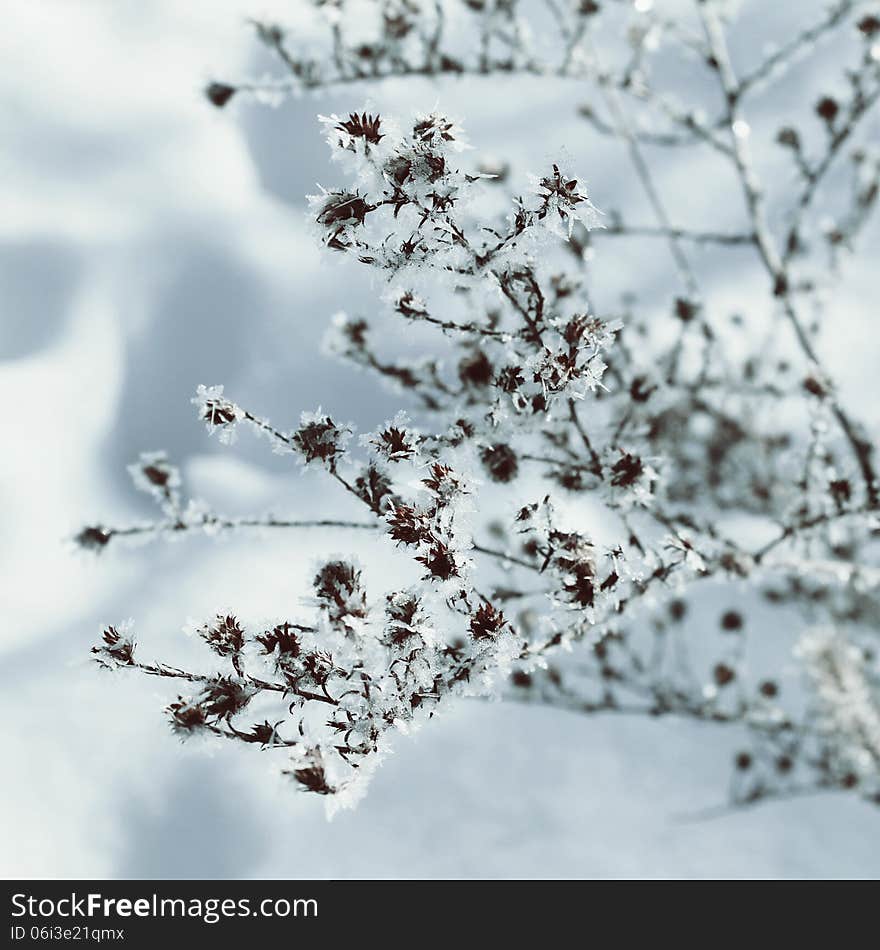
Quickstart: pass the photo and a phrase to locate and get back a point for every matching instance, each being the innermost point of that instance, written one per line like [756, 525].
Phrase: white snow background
[151, 243]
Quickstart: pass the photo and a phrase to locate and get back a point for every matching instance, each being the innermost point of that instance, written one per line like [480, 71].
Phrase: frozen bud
[440, 562]
[338, 210]
[395, 442]
[158, 474]
[282, 638]
[769, 689]
[403, 616]
[788, 137]
[527, 513]
[869, 25]
[686, 309]
[834, 235]
[640, 390]
[186, 717]
[588, 7]
[784, 764]
[219, 414]
[225, 636]
[373, 486]
[410, 306]
[224, 697]
[574, 561]
[443, 482]
[610, 582]
[723, 674]
[154, 474]
[368, 51]
[579, 583]
[435, 129]
[510, 379]
[337, 586]
[584, 330]
[827, 109]
[263, 732]
[219, 93]
[216, 411]
[627, 470]
[407, 525]
[521, 679]
[815, 387]
[743, 761]
[117, 646]
[731, 621]
[500, 462]
[313, 779]
[486, 622]
[347, 333]
[319, 438]
[564, 191]
[474, 369]
[93, 538]
[561, 198]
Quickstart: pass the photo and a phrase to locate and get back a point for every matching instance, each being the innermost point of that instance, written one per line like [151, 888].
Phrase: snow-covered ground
[150, 243]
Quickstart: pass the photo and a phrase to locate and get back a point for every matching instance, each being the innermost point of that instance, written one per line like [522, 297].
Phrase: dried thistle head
[219, 93]
[225, 636]
[486, 623]
[340, 593]
[362, 126]
[500, 462]
[320, 439]
[117, 647]
[93, 538]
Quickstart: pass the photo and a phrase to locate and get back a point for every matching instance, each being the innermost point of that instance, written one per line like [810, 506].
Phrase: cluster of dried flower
[679, 441]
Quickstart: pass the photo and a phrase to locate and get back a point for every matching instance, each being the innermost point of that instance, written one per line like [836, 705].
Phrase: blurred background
[151, 243]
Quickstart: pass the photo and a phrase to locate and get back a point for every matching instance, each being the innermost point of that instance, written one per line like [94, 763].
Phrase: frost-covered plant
[541, 404]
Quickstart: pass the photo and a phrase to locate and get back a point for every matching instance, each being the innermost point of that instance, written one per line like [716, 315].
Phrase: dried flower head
[320, 439]
[362, 126]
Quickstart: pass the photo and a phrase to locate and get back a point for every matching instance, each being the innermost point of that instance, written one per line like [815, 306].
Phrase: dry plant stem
[773, 262]
[221, 523]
